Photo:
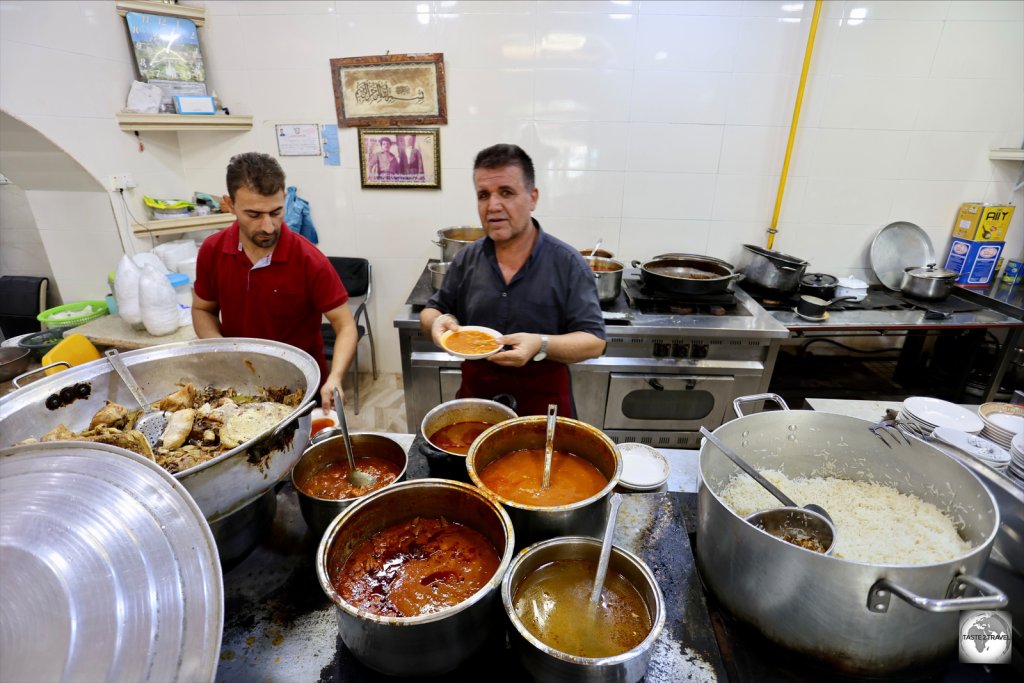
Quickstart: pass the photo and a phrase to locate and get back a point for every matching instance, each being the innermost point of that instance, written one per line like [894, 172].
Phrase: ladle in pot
[793, 524]
[549, 445]
[355, 477]
[593, 252]
[152, 422]
[606, 551]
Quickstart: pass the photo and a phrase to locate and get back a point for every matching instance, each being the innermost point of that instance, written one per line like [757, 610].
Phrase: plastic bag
[144, 98]
[159, 303]
[126, 291]
[173, 253]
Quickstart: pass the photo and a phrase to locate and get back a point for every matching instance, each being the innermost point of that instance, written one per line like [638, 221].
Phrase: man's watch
[543, 353]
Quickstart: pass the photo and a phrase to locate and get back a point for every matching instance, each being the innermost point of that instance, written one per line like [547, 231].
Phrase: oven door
[666, 402]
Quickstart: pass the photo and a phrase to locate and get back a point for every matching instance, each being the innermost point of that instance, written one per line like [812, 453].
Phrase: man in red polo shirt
[259, 279]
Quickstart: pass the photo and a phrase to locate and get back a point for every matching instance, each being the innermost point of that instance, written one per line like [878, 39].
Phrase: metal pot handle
[635, 263]
[990, 598]
[737, 402]
[32, 372]
[437, 243]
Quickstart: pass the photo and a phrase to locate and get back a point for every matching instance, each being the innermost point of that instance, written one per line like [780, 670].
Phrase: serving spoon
[152, 422]
[811, 519]
[606, 551]
[549, 445]
[593, 252]
[358, 479]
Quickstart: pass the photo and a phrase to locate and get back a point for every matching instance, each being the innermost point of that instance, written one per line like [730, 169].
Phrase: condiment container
[182, 290]
[852, 286]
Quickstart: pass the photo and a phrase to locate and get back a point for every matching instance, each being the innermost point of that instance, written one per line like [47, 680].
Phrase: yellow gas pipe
[792, 126]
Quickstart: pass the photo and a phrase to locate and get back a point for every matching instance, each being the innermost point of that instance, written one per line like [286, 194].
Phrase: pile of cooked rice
[874, 523]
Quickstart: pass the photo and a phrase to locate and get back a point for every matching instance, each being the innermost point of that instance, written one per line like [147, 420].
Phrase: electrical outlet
[122, 181]
[116, 183]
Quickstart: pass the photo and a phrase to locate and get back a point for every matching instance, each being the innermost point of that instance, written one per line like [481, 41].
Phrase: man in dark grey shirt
[521, 281]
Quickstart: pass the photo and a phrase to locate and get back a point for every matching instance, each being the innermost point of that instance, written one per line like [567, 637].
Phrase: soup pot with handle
[772, 269]
[687, 274]
[859, 617]
[455, 239]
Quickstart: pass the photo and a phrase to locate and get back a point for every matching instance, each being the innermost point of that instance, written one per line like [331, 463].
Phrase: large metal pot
[687, 274]
[608, 275]
[546, 663]
[13, 362]
[772, 269]
[463, 410]
[836, 610]
[536, 523]
[233, 479]
[928, 282]
[455, 239]
[429, 644]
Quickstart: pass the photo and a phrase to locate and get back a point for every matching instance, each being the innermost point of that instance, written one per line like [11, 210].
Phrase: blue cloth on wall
[297, 215]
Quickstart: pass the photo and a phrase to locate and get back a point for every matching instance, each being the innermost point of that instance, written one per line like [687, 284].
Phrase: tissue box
[975, 261]
[983, 222]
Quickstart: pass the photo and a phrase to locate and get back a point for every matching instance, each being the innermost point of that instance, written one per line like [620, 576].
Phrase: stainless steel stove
[670, 367]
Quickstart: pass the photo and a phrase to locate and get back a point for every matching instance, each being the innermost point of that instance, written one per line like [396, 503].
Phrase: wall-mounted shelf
[1006, 153]
[142, 122]
[191, 224]
[196, 14]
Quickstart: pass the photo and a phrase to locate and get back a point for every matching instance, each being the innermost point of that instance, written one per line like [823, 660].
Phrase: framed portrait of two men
[400, 157]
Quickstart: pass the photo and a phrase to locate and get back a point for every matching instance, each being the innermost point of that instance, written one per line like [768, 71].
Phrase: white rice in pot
[874, 523]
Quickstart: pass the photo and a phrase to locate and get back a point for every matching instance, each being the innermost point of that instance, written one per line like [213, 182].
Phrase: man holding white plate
[524, 282]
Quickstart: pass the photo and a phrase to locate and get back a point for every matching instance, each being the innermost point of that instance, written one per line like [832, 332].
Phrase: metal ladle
[358, 479]
[606, 551]
[549, 445]
[593, 252]
[808, 522]
[152, 422]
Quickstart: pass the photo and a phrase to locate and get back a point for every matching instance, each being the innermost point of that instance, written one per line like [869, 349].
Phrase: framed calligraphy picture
[400, 157]
[389, 90]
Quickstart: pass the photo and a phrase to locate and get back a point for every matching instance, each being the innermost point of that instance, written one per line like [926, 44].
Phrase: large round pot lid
[109, 572]
[896, 247]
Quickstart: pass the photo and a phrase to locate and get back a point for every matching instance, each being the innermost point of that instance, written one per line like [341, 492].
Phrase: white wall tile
[948, 156]
[289, 7]
[689, 7]
[753, 150]
[965, 104]
[872, 102]
[911, 10]
[668, 195]
[979, 49]
[781, 9]
[593, 41]
[845, 201]
[459, 149]
[489, 40]
[377, 33]
[761, 99]
[581, 146]
[770, 45]
[674, 148]
[830, 249]
[886, 48]
[686, 43]
[932, 202]
[580, 193]
[582, 95]
[986, 10]
[860, 153]
[487, 94]
[726, 238]
[679, 97]
[749, 197]
[583, 232]
[643, 239]
[589, 6]
[314, 47]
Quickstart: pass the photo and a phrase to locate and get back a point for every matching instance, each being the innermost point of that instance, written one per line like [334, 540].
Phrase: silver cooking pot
[220, 486]
[608, 276]
[455, 239]
[859, 617]
[928, 282]
[772, 269]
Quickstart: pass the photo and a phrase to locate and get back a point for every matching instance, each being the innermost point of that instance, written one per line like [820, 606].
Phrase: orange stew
[517, 476]
[320, 423]
[470, 342]
[332, 481]
[458, 437]
[605, 268]
[418, 566]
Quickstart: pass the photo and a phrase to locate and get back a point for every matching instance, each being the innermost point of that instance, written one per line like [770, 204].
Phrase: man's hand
[442, 324]
[524, 347]
[327, 393]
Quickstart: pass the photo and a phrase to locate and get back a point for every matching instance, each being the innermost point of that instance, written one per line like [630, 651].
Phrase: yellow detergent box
[983, 222]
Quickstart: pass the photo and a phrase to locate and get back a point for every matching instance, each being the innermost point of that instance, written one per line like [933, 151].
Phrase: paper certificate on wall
[298, 140]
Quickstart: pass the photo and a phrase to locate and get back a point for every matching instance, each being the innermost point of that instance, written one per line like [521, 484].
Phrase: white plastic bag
[173, 253]
[144, 98]
[126, 291]
[159, 303]
[148, 258]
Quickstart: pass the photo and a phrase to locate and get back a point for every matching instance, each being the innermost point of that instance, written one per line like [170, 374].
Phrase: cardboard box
[974, 260]
[983, 222]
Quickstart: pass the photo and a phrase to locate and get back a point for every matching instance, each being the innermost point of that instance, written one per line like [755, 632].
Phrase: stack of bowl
[1003, 421]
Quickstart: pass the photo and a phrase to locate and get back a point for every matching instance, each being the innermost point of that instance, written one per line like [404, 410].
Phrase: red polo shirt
[282, 298]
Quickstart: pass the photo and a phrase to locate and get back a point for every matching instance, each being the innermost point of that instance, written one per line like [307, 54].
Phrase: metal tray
[898, 246]
[109, 573]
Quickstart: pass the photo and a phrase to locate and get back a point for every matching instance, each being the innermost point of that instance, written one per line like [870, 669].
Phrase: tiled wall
[659, 126]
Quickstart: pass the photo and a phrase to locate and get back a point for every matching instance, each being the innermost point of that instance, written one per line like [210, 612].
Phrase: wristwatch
[543, 353]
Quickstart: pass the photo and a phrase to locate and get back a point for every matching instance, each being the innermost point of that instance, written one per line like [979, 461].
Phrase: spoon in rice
[358, 479]
[793, 524]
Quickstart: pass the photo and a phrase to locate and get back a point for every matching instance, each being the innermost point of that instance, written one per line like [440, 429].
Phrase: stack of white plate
[1016, 468]
[931, 413]
[977, 447]
[1003, 421]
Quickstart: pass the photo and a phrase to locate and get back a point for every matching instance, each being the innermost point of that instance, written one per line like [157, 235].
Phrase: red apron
[534, 385]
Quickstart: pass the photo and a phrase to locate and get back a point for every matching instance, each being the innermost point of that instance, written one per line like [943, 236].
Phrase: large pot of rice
[888, 598]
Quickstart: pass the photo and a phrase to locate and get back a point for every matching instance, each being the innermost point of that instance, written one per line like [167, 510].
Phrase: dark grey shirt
[553, 293]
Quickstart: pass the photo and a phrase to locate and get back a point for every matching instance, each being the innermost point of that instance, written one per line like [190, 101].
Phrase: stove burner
[649, 300]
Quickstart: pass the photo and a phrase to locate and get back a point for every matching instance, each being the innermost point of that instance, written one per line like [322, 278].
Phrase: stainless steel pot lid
[109, 572]
[931, 272]
[775, 255]
[896, 247]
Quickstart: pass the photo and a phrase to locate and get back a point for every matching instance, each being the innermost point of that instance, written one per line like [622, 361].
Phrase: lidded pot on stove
[819, 285]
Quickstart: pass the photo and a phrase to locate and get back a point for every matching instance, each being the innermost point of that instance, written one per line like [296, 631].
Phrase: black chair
[356, 275]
